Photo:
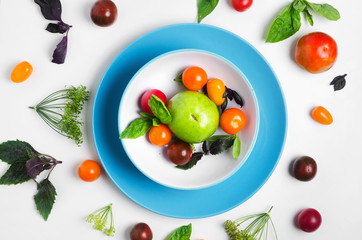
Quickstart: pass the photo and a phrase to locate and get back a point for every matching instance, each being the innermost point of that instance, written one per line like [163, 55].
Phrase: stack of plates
[215, 199]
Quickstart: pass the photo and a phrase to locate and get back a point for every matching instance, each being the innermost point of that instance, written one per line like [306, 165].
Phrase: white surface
[336, 191]
[159, 73]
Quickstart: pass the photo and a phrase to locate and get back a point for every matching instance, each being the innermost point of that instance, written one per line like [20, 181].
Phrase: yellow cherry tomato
[21, 72]
[215, 91]
[321, 115]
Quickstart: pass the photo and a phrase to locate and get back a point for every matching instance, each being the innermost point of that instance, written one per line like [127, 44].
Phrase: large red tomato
[316, 52]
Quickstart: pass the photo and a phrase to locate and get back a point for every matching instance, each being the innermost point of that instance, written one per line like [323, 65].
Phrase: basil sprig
[288, 21]
[204, 8]
[181, 233]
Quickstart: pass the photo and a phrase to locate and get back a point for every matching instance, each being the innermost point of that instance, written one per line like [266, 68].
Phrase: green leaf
[159, 109]
[147, 115]
[137, 128]
[325, 10]
[299, 5]
[178, 79]
[13, 151]
[181, 233]
[219, 137]
[308, 16]
[236, 147]
[285, 25]
[15, 174]
[45, 198]
[156, 122]
[204, 8]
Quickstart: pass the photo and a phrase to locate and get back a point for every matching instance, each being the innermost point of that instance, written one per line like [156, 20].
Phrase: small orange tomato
[232, 121]
[321, 115]
[21, 72]
[89, 170]
[160, 135]
[194, 78]
[215, 91]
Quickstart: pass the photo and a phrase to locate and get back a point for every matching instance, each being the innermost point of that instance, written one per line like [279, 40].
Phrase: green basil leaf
[299, 5]
[137, 128]
[159, 109]
[285, 25]
[156, 122]
[204, 8]
[45, 198]
[236, 147]
[325, 10]
[178, 79]
[308, 16]
[147, 115]
[181, 233]
[15, 174]
[13, 151]
[219, 137]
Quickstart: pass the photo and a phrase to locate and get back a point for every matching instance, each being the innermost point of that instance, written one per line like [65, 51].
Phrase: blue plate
[202, 202]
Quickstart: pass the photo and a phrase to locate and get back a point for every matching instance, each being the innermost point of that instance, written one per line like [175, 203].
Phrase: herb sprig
[61, 111]
[181, 233]
[26, 163]
[204, 8]
[100, 218]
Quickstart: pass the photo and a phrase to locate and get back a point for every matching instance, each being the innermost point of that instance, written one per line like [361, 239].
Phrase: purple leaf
[59, 27]
[34, 167]
[60, 51]
[51, 9]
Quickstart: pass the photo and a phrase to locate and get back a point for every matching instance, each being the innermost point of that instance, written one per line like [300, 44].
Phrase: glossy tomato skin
[104, 13]
[241, 5]
[179, 152]
[322, 115]
[215, 91]
[194, 78]
[316, 52]
[21, 72]
[232, 121]
[304, 168]
[89, 171]
[160, 135]
[141, 231]
[309, 220]
[147, 96]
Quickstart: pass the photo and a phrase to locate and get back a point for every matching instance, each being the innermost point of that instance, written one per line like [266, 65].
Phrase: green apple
[194, 116]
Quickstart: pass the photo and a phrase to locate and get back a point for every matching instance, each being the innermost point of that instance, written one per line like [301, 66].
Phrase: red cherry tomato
[194, 78]
[89, 170]
[141, 231]
[241, 5]
[160, 135]
[21, 72]
[104, 13]
[147, 96]
[304, 168]
[321, 115]
[232, 121]
[316, 52]
[309, 220]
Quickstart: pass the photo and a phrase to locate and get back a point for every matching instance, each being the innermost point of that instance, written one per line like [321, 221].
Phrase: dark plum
[104, 13]
[304, 168]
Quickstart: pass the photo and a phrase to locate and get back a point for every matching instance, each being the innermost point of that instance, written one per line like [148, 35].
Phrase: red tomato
[316, 52]
[89, 170]
[232, 121]
[194, 78]
[104, 13]
[309, 220]
[321, 115]
[241, 5]
[141, 231]
[147, 96]
[304, 168]
[160, 135]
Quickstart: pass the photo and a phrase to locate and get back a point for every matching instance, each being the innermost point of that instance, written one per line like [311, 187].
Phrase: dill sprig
[99, 218]
[61, 111]
[257, 228]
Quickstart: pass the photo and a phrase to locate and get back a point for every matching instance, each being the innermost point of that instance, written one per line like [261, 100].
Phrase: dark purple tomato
[304, 168]
[309, 220]
[104, 13]
[179, 152]
[141, 231]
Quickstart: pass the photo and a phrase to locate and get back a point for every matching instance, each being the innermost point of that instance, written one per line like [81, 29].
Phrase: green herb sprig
[256, 229]
[61, 111]
[26, 163]
[288, 22]
[181, 233]
[100, 218]
[204, 8]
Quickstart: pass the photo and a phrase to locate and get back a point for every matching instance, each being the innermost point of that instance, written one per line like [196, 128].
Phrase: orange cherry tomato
[215, 91]
[160, 135]
[89, 170]
[194, 78]
[232, 121]
[321, 115]
[21, 72]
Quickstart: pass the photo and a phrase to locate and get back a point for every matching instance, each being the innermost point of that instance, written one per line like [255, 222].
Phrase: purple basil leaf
[204, 148]
[238, 99]
[51, 9]
[59, 27]
[60, 51]
[193, 161]
[224, 105]
[34, 167]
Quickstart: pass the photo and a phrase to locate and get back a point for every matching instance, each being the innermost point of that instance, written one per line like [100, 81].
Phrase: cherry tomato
[104, 13]
[194, 78]
[141, 231]
[241, 5]
[160, 135]
[309, 220]
[316, 52]
[215, 91]
[232, 121]
[89, 170]
[321, 115]
[304, 168]
[21, 72]
[147, 96]
[179, 152]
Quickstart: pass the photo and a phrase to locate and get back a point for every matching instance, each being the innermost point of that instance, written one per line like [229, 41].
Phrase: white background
[336, 191]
